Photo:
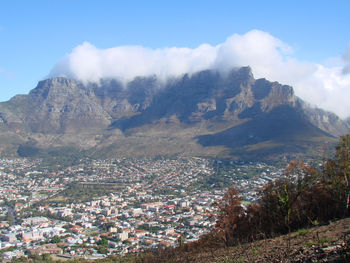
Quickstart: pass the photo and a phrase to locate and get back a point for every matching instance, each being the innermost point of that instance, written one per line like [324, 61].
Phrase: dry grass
[318, 244]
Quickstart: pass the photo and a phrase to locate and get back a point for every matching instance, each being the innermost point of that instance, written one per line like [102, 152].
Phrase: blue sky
[35, 35]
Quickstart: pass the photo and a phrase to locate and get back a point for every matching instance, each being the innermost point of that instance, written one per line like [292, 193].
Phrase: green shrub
[302, 232]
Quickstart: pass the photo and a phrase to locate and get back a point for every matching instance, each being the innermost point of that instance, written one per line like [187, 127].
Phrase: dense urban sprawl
[117, 206]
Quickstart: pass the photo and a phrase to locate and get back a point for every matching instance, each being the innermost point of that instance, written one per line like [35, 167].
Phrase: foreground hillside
[327, 243]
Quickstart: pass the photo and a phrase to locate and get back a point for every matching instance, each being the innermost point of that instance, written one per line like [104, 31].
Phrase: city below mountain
[204, 114]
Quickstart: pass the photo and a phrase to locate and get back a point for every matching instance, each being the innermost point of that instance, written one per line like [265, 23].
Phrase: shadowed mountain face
[348, 120]
[280, 124]
[283, 126]
[207, 113]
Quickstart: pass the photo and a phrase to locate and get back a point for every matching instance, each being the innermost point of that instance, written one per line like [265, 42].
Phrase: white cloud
[88, 63]
[346, 58]
[325, 86]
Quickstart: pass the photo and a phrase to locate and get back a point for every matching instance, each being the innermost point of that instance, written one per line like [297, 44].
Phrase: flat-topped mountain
[205, 114]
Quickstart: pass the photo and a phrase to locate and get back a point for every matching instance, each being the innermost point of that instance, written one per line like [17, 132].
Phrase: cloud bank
[327, 87]
[346, 58]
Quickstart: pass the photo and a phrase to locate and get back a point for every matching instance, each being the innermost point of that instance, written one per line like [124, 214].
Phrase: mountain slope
[283, 125]
[326, 243]
[207, 113]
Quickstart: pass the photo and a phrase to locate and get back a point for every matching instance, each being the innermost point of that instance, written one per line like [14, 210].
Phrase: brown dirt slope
[327, 243]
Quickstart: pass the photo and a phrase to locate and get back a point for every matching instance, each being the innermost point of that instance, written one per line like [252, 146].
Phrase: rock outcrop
[207, 113]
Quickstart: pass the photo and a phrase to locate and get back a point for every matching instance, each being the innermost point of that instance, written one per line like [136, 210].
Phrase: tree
[306, 176]
[230, 210]
[46, 257]
[336, 175]
[103, 242]
[301, 197]
[56, 239]
[102, 250]
[343, 161]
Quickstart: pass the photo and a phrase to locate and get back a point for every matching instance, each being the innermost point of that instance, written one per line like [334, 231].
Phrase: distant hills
[203, 114]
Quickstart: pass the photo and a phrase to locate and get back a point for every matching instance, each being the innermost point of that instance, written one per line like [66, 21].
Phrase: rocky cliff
[207, 113]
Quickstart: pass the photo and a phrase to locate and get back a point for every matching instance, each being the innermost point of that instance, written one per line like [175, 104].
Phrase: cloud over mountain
[269, 57]
[346, 58]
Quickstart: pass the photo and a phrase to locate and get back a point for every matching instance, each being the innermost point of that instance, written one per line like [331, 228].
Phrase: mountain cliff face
[348, 120]
[207, 113]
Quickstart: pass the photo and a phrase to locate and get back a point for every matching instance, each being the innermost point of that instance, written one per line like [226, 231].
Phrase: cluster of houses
[149, 203]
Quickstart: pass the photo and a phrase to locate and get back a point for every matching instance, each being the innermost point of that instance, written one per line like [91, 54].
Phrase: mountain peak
[205, 113]
[62, 81]
[246, 72]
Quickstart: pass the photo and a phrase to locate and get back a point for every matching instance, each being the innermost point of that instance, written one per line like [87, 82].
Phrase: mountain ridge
[148, 116]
